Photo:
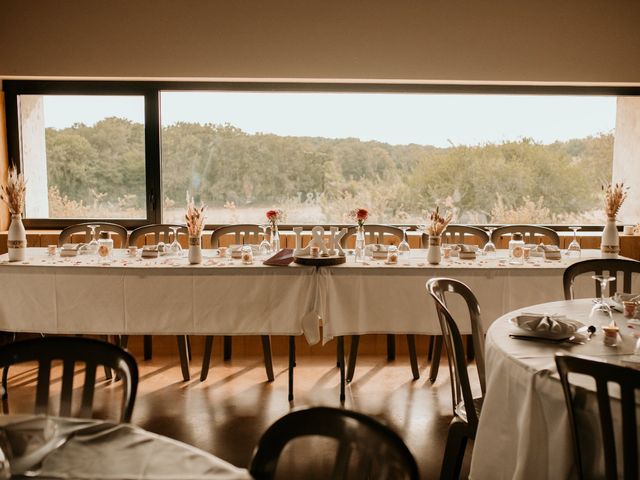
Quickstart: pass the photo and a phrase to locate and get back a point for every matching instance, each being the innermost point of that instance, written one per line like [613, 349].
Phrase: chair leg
[184, 358]
[123, 341]
[470, 352]
[341, 361]
[430, 353]
[5, 378]
[454, 450]
[226, 348]
[188, 347]
[435, 360]
[413, 356]
[148, 346]
[353, 355]
[266, 352]
[391, 347]
[208, 349]
[107, 370]
[292, 364]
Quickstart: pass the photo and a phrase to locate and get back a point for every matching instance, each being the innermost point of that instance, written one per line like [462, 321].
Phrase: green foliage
[222, 165]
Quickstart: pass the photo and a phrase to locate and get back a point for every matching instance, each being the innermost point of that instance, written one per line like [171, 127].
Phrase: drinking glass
[265, 246]
[403, 247]
[600, 306]
[573, 250]
[92, 246]
[175, 249]
[421, 228]
[489, 248]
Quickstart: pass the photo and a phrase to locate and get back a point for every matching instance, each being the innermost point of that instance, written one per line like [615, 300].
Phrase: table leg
[148, 346]
[391, 347]
[341, 361]
[184, 360]
[292, 364]
[208, 350]
[353, 354]
[266, 352]
[435, 359]
[226, 348]
[413, 356]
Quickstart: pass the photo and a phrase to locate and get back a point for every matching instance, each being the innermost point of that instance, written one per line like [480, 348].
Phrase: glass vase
[275, 239]
[360, 244]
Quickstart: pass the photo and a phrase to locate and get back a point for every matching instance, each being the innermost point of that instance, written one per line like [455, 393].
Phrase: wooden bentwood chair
[466, 408]
[69, 232]
[71, 351]
[243, 234]
[598, 266]
[152, 235]
[380, 452]
[378, 234]
[531, 234]
[628, 379]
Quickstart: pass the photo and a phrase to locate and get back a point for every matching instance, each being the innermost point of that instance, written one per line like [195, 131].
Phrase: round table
[524, 430]
[54, 447]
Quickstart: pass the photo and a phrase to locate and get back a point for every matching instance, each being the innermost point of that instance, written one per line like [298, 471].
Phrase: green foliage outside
[98, 170]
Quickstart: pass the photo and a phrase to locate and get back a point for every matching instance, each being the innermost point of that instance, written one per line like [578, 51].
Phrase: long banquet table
[167, 296]
[524, 430]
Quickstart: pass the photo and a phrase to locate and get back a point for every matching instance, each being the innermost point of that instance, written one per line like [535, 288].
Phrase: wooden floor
[227, 414]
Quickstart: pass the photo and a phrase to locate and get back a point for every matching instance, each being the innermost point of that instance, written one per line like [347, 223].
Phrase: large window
[132, 152]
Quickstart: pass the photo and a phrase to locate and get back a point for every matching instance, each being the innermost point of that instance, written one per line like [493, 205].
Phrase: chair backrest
[460, 234]
[598, 266]
[605, 373]
[531, 234]
[71, 350]
[160, 232]
[381, 452]
[373, 234]
[460, 384]
[243, 234]
[119, 230]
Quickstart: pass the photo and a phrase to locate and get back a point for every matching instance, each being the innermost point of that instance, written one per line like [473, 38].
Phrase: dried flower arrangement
[195, 217]
[13, 193]
[438, 224]
[275, 216]
[359, 215]
[614, 197]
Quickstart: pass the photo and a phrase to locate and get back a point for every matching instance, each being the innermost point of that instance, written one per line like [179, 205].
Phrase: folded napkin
[546, 325]
[281, 259]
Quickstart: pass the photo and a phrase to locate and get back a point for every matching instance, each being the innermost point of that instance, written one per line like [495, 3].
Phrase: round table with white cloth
[524, 430]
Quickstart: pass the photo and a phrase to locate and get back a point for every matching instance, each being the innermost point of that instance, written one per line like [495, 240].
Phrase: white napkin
[546, 325]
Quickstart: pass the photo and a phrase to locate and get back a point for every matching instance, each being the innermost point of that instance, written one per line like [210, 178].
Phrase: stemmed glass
[265, 246]
[403, 247]
[92, 246]
[421, 228]
[489, 248]
[573, 249]
[175, 249]
[600, 305]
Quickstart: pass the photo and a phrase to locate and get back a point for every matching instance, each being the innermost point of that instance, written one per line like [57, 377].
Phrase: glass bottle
[105, 246]
[516, 249]
[359, 250]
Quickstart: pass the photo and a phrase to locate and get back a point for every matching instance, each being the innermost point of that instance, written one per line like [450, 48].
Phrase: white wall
[567, 41]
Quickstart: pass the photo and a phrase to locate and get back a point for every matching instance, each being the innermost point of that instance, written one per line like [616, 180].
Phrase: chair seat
[461, 412]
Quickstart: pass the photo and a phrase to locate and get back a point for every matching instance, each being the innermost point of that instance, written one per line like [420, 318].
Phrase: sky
[426, 119]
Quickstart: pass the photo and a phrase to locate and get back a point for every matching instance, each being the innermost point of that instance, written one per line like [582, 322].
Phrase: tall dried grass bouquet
[614, 196]
[438, 224]
[194, 217]
[13, 193]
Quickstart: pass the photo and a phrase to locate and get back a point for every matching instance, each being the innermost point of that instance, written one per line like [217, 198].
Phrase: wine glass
[573, 250]
[265, 246]
[92, 246]
[489, 248]
[403, 247]
[421, 228]
[599, 304]
[175, 249]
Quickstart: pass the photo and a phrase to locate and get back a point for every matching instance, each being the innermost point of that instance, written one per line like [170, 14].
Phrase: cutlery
[540, 339]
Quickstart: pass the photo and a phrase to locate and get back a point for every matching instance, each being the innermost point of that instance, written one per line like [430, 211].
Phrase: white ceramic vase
[16, 239]
[610, 243]
[195, 250]
[434, 256]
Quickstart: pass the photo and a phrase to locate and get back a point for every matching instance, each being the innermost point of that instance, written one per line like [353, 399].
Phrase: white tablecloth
[161, 296]
[99, 450]
[380, 298]
[524, 428]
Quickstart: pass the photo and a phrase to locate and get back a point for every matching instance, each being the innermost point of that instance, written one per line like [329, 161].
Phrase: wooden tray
[320, 261]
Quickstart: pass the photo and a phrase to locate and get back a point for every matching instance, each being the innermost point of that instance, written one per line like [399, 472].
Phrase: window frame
[152, 90]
